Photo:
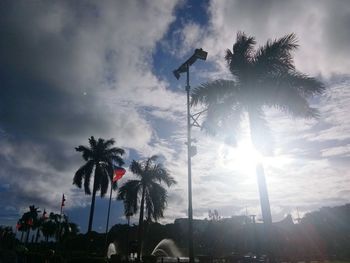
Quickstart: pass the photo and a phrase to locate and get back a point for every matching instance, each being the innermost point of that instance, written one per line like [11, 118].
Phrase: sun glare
[244, 157]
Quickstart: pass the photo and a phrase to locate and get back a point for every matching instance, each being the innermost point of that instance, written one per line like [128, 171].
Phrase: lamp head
[198, 54]
[201, 54]
[176, 73]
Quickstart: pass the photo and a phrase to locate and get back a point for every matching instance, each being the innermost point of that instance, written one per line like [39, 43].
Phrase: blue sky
[72, 70]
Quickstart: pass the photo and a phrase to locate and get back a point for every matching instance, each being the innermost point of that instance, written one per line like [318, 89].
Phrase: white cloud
[297, 176]
[340, 151]
[323, 42]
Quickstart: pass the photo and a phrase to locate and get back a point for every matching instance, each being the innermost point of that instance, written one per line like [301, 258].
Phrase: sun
[242, 158]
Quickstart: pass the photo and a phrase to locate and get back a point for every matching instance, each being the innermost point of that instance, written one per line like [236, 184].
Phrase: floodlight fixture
[199, 53]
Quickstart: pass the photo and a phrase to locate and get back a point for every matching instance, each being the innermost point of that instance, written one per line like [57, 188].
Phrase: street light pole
[189, 164]
[185, 68]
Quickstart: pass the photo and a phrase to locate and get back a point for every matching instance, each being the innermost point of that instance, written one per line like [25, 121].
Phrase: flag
[30, 221]
[118, 173]
[63, 200]
[18, 225]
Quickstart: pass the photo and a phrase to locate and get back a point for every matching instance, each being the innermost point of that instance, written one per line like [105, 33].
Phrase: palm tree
[50, 226]
[147, 189]
[263, 77]
[28, 221]
[21, 227]
[128, 214]
[100, 157]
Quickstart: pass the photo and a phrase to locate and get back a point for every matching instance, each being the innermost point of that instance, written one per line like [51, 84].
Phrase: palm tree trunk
[92, 207]
[37, 235]
[264, 196]
[127, 238]
[27, 236]
[140, 228]
[263, 193]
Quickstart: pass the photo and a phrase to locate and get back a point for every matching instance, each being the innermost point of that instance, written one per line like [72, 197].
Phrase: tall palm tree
[50, 226]
[146, 193]
[100, 157]
[263, 77]
[29, 220]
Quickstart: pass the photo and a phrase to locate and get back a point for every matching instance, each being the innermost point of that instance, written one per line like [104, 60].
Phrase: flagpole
[60, 226]
[118, 174]
[62, 203]
[109, 209]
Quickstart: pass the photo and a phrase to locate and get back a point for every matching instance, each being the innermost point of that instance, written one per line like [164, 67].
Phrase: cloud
[71, 70]
[323, 42]
[305, 166]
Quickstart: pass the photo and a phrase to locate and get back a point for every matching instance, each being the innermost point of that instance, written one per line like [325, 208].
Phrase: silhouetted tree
[50, 226]
[28, 221]
[265, 77]
[100, 157]
[7, 238]
[146, 192]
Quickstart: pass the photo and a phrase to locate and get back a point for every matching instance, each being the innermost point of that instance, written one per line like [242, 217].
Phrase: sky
[74, 69]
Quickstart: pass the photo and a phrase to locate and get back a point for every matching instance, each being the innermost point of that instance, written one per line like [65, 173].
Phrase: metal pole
[190, 212]
[109, 209]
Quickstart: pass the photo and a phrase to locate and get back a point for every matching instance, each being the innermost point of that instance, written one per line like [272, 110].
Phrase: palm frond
[275, 56]
[87, 153]
[305, 85]
[92, 143]
[156, 201]
[224, 118]
[149, 162]
[213, 92]
[294, 104]
[160, 174]
[108, 143]
[136, 168]
[241, 57]
[289, 92]
[84, 173]
[113, 159]
[115, 151]
[129, 194]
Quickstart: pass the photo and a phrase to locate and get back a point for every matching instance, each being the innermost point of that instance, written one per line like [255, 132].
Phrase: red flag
[118, 173]
[18, 225]
[30, 221]
[63, 199]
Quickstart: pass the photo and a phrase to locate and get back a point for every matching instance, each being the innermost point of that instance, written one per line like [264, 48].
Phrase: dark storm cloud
[70, 70]
[337, 23]
[42, 90]
[38, 109]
